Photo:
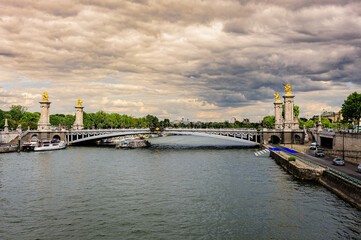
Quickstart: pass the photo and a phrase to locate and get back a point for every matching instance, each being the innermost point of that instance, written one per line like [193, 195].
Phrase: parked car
[319, 153]
[359, 168]
[338, 162]
[314, 146]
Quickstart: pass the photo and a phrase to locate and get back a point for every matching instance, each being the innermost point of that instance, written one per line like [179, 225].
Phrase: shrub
[291, 159]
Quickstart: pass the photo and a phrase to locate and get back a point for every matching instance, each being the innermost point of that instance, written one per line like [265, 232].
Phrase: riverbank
[345, 187]
[8, 148]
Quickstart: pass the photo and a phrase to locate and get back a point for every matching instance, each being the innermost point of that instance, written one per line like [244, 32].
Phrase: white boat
[132, 143]
[30, 145]
[49, 145]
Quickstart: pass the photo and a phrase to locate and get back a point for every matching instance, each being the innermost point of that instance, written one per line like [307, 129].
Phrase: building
[332, 116]
[245, 121]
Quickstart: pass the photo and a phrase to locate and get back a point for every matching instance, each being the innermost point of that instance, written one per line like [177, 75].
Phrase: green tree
[166, 122]
[99, 119]
[151, 121]
[16, 112]
[325, 122]
[2, 118]
[57, 119]
[309, 124]
[268, 121]
[30, 120]
[351, 108]
[69, 120]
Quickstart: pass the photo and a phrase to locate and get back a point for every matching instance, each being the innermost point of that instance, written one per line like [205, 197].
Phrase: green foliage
[268, 121]
[2, 117]
[57, 120]
[325, 122]
[291, 159]
[14, 115]
[309, 124]
[151, 121]
[351, 108]
[16, 112]
[30, 120]
[296, 110]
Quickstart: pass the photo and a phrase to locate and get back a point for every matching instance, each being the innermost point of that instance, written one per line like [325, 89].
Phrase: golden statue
[79, 102]
[288, 89]
[45, 97]
[277, 97]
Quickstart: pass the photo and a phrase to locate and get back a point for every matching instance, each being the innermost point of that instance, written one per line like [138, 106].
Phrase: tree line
[17, 115]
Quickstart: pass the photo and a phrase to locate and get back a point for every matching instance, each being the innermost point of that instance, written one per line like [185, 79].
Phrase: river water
[181, 188]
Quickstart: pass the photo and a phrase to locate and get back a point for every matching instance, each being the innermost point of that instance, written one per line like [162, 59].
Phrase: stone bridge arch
[274, 139]
[284, 137]
[44, 135]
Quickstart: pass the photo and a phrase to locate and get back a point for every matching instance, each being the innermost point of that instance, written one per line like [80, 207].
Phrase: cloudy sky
[198, 59]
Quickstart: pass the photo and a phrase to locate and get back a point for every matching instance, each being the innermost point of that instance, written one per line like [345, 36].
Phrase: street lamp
[343, 145]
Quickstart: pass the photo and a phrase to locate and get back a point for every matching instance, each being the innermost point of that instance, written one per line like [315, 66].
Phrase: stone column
[78, 124]
[6, 129]
[278, 115]
[320, 127]
[44, 121]
[290, 121]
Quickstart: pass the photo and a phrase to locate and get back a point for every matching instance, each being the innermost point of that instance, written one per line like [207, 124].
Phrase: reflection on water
[164, 193]
[194, 142]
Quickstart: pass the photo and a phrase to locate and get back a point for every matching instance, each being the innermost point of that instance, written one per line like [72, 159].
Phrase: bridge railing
[222, 130]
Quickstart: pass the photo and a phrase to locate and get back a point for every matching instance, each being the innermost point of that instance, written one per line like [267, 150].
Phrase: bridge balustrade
[96, 134]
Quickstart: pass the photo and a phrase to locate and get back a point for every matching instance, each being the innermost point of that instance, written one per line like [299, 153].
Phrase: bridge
[247, 137]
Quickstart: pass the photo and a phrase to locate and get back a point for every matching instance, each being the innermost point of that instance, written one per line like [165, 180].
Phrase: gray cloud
[220, 56]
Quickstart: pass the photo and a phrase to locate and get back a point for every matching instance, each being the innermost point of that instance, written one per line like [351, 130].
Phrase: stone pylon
[44, 121]
[78, 124]
[290, 121]
[278, 115]
[320, 127]
[6, 127]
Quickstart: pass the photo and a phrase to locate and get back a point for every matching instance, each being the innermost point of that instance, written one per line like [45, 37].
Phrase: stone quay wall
[7, 149]
[348, 141]
[345, 189]
[298, 172]
[343, 144]
[350, 156]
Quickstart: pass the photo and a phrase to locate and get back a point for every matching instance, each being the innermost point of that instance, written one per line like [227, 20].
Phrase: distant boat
[133, 143]
[30, 145]
[49, 145]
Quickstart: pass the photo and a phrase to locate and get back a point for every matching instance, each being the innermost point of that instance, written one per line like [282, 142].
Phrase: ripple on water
[164, 193]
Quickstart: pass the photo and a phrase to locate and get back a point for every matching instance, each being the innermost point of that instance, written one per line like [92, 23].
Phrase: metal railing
[344, 176]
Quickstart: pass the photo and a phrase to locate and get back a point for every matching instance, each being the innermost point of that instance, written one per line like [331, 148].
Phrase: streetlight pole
[343, 145]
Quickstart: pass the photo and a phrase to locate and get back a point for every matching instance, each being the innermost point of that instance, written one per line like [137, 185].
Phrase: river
[181, 188]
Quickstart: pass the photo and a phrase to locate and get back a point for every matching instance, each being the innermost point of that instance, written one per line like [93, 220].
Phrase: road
[349, 168]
